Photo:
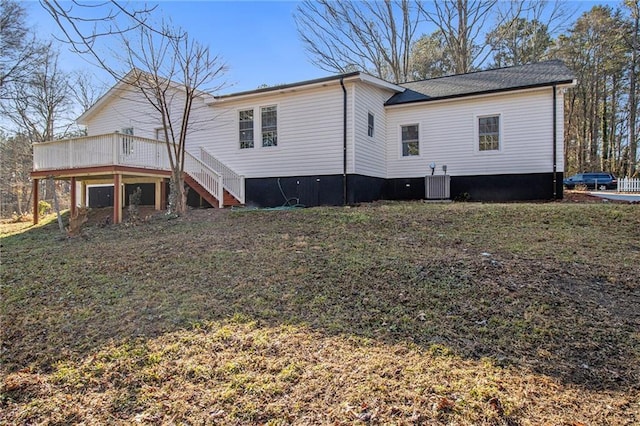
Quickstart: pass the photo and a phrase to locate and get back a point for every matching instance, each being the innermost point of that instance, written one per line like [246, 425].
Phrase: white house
[343, 139]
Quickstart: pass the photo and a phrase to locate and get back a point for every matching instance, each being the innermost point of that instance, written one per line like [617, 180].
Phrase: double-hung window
[245, 128]
[410, 140]
[269, 120]
[370, 125]
[489, 133]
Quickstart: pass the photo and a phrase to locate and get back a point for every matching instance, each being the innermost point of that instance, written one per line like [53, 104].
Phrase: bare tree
[15, 168]
[38, 108]
[19, 49]
[170, 71]
[39, 105]
[375, 37]
[85, 91]
[634, 46]
[160, 60]
[461, 22]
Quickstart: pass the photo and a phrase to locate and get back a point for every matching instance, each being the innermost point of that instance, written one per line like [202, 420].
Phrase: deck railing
[101, 150]
[205, 176]
[232, 181]
[134, 151]
[628, 185]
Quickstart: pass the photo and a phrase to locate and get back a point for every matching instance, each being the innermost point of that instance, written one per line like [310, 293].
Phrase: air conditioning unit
[437, 187]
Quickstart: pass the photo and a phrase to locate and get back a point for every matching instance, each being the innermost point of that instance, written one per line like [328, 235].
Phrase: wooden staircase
[213, 181]
[228, 200]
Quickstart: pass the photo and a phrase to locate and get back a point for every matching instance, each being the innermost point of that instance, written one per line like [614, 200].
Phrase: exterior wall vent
[437, 187]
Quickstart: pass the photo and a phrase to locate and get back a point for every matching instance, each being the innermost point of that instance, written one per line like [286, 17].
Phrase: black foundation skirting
[517, 187]
[327, 190]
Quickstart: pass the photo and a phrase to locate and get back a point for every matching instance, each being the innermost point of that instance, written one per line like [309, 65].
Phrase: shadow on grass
[514, 284]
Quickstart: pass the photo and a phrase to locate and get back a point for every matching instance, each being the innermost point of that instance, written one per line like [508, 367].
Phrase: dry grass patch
[392, 313]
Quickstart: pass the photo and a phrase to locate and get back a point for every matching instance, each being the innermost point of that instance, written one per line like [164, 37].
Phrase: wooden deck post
[35, 201]
[158, 195]
[83, 193]
[74, 203]
[117, 199]
[163, 194]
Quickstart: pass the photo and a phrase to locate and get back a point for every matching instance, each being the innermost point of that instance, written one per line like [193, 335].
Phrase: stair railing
[231, 181]
[208, 178]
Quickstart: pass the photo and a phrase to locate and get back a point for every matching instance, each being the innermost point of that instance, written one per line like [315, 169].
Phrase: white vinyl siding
[309, 134]
[129, 108]
[526, 135]
[370, 152]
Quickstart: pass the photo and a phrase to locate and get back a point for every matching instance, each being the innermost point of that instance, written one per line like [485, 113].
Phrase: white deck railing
[232, 181]
[205, 176]
[134, 151]
[628, 185]
[100, 150]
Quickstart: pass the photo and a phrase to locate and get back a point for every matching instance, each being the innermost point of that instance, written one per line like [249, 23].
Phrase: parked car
[595, 180]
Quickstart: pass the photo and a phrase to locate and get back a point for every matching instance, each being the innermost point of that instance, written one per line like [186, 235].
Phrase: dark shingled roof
[498, 80]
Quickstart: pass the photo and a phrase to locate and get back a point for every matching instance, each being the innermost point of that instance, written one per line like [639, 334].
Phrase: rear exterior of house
[497, 135]
[311, 144]
[518, 163]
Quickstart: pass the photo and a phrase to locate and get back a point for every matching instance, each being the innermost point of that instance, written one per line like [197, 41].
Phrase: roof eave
[563, 83]
[308, 84]
[319, 82]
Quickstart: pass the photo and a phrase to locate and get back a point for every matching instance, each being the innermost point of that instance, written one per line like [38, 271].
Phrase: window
[410, 142]
[269, 126]
[489, 133]
[245, 128]
[370, 125]
[127, 140]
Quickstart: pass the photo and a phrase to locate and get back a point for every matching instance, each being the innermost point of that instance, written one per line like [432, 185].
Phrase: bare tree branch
[374, 37]
[162, 63]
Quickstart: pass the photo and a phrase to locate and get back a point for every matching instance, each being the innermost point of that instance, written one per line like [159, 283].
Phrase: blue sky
[258, 40]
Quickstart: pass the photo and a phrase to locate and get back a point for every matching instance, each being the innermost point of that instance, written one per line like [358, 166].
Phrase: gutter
[344, 142]
[555, 143]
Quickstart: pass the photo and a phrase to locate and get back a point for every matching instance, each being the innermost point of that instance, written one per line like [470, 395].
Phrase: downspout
[555, 144]
[344, 142]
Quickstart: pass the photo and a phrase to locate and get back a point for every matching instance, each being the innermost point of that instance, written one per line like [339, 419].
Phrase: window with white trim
[245, 128]
[489, 133]
[269, 122]
[370, 125]
[409, 135]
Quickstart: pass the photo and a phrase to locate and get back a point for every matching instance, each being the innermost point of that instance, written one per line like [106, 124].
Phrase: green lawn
[390, 313]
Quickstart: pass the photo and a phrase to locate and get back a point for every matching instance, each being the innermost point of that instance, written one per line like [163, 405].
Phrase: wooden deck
[120, 159]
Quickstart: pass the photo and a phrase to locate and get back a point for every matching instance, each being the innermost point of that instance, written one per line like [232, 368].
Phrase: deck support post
[83, 193]
[35, 200]
[74, 202]
[117, 199]
[163, 194]
[158, 197]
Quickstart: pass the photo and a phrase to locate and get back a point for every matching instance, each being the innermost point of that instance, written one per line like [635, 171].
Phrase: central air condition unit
[437, 187]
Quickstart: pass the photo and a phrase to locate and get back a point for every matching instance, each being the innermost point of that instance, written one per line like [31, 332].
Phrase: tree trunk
[177, 194]
[633, 102]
